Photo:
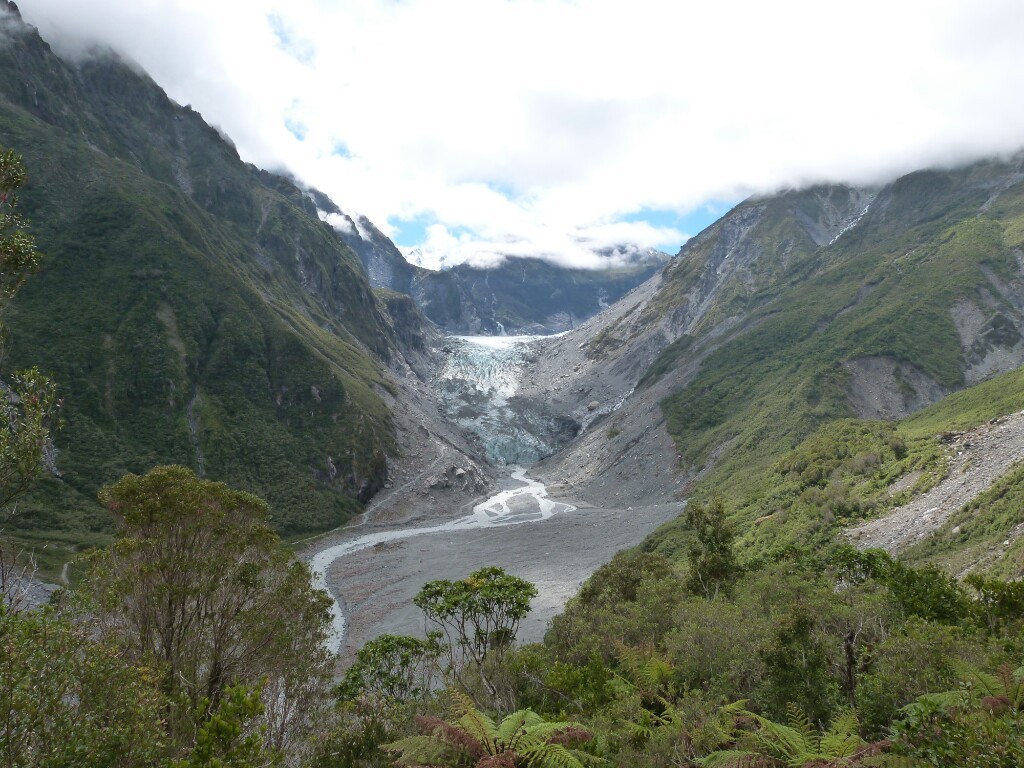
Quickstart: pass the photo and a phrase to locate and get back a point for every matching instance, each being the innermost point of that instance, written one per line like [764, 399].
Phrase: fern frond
[736, 708]
[981, 682]
[800, 723]
[731, 758]
[418, 751]
[841, 739]
[639, 731]
[780, 740]
[946, 700]
[512, 724]
[557, 756]
[474, 722]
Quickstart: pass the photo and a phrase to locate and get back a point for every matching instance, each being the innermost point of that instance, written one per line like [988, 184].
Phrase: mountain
[519, 296]
[192, 308]
[791, 311]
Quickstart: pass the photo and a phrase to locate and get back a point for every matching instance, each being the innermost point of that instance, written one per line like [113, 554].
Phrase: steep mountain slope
[192, 308]
[794, 310]
[519, 296]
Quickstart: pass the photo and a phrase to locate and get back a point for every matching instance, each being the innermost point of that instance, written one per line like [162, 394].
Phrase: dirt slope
[977, 459]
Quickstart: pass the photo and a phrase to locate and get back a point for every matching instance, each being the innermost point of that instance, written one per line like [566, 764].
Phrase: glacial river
[527, 503]
[481, 374]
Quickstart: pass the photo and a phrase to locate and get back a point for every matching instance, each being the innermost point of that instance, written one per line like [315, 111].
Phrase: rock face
[821, 303]
[521, 296]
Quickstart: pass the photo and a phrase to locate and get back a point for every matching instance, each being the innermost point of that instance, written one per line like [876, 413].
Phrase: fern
[795, 744]
[523, 738]
[733, 758]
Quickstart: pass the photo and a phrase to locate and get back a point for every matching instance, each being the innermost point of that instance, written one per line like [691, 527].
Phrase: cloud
[533, 126]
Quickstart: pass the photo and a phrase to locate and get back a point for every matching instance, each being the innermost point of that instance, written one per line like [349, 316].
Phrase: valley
[374, 569]
[662, 503]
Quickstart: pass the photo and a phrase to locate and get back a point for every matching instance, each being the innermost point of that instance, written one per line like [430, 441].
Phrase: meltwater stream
[477, 389]
[509, 507]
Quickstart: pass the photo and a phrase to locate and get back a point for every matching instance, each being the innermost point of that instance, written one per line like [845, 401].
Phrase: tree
[28, 403]
[393, 668]
[18, 254]
[198, 586]
[712, 562]
[476, 617]
[68, 699]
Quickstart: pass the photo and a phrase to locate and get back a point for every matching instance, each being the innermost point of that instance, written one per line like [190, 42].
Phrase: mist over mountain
[193, 308]
[518, 296]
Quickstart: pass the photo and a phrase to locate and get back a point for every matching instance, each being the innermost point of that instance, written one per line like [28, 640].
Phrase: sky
[472, 129]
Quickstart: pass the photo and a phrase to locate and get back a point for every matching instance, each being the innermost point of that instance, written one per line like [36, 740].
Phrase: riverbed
[377, 581]
[373, 574]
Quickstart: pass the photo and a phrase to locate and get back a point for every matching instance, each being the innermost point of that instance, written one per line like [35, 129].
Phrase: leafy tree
[796, 668]
[927, 592]
[18, 254]
[474, 740]
[198, 586]
[68, 699]
[28, 403]
[394, 668]
[712, 562]
[999, 604]
[229, 738]
[477, 618]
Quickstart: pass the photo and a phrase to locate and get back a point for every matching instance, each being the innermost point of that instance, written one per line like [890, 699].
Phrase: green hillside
[192, 308]
[886, 289]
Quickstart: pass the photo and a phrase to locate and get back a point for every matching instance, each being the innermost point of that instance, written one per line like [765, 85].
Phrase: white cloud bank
[533, 126]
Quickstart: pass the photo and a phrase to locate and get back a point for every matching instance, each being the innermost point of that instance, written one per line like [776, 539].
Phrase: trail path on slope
[979, 458]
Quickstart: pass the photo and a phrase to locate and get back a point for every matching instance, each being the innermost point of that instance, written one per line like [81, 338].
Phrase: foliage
[198, 586]
[236, 334]
[914, 660]
[228, 739]
[475, 617]
[795, 744]
[926, 592]
[999, 605]
[28, 404]
[712, 562]
[18, 254]
[981, 533]
[782, 337]
[980, 725]
[69, 699]
[522, 738]
[393, 668]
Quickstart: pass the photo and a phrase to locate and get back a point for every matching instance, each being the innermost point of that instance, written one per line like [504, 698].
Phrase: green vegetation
[196, 639]
[884, 290]
[29, 407]
[522, 738]
[192, 309]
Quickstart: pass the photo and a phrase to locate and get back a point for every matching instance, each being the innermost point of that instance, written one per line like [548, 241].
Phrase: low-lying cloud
[540, 127]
